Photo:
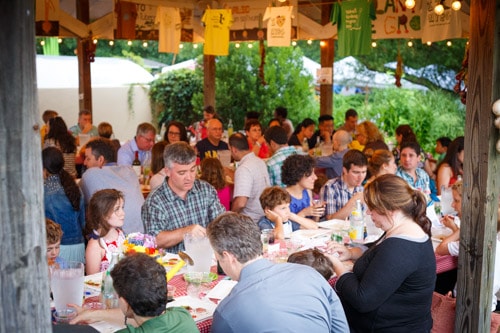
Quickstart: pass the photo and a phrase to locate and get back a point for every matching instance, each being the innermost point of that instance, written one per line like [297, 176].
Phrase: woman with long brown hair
[398, 269]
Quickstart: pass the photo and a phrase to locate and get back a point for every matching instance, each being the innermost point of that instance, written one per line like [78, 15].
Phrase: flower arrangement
[139, 242]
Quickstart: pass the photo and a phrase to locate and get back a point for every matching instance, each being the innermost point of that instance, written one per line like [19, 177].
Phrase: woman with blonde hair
[399, 268]
[369, 136]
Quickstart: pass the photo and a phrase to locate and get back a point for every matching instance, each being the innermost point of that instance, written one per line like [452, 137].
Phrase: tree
[24, 275]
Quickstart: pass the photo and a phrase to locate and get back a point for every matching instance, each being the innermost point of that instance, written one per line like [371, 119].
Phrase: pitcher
[199, 249]
[66, 280]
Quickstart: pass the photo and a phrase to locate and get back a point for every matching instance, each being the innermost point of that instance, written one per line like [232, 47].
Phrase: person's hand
[318, 208]
[340, 252]
[197, 230]
[83, 316]
[272, 216]
[449, 221]
[87, 128]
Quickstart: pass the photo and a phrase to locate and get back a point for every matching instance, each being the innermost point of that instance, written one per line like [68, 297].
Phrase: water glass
[66, 282]
[199, 249]
[65, 315]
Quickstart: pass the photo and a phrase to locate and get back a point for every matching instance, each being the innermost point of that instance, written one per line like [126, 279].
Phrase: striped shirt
[336, 194]
[275, 162]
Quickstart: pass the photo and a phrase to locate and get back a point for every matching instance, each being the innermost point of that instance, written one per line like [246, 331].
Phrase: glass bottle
[356, 232]
[108, 293]
[305, 145]
[230, 128]
[136, 165]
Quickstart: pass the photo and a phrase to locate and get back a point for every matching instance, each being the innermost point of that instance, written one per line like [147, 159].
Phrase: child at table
[315, 259]
[54, 235]
[275, 202]
[105, 218]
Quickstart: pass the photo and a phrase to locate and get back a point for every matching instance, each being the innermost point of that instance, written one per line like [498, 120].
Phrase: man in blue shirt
[268, 297]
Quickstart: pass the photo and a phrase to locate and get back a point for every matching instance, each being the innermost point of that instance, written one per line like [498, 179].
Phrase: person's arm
[442, 249]
[278, 224]
[169, 238]
[113, 316]
[238, 204]
[304, 222]
[345, 211]
[93, 256]
[443, 177]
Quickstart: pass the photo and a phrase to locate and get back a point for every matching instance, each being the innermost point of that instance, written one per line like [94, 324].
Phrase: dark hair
[102, 147]
[276, 134]
[157, 161]
[100, 207]
[406, 132]
[209, 109]
[304, 124]
[295, 167]
[239, 141]
[388, 193]
[274, 196]
[182, 130]
[105, 130]
[252, 115]
[445, 141]
[179, 152]
[236, 234]
[53, 162]
[314, 259]
[354, 157]
[412, 145]
[350, 113]
[213, 173]
[324, 117]
[251, 123]
[141, 281]
[378, 159]
[58, 131]
[48, 114]
[451, 157]
[281, 111]
[53, 231]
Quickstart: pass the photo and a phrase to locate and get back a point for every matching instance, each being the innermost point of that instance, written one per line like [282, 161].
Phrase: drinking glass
[66, 282]
[199, 249]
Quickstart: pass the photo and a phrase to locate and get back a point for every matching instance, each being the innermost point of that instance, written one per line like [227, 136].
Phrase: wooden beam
[76, 27]
[84, 76]
[481, 172]
[24, 287]
[209, 80]
[327, 57]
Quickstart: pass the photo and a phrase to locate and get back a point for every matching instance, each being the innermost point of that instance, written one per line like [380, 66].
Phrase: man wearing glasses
[142, 142]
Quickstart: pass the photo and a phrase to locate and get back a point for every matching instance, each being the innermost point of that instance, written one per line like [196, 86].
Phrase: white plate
[311, 234]
[334, 224]
[198, 308]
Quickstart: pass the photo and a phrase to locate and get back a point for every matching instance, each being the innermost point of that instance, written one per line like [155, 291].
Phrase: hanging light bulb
[237, 45]
[439, 9]
[294, 43]
[250, 45]
[322, 43]
[129, 43]
[145, 44]
[374, 44]
[410, 4]
[448, 43]
[429, 43]
[111, 43]
[195, 46]
[309, 41]
[59, 40]
[456, 5]
[410, 44]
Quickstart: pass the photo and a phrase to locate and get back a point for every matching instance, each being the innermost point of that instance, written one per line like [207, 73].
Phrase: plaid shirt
[165, 210]
[275, 162]
[336, 194]
[422, 183]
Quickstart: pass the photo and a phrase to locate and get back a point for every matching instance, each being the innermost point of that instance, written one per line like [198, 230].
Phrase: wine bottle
[136, 165]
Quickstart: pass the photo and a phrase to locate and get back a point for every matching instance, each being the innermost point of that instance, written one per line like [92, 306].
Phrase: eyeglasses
[148, 139]
[174, 133]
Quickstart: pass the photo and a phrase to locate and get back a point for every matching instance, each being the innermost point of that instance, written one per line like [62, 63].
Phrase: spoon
[184, 256]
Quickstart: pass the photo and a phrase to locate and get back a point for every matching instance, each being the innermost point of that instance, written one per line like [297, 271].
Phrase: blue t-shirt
[296, 205]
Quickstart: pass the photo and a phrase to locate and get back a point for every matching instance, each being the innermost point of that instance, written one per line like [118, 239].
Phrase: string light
[294, 43]
[42, 42]
[94, 41]
[456, 5]
[181, 46]
[448, 43]
[59, 40]
[250, 45]
[322, 43]
[237, 45]
[410, 4]
[439, 9]
[195, 46]
[429, 43]
[129, 43]
[374, 44]
[111, 43]
[309, 41]
[410, 44]
[145, 44]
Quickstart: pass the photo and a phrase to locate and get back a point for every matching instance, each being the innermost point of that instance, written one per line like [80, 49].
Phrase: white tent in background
[57, 80]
